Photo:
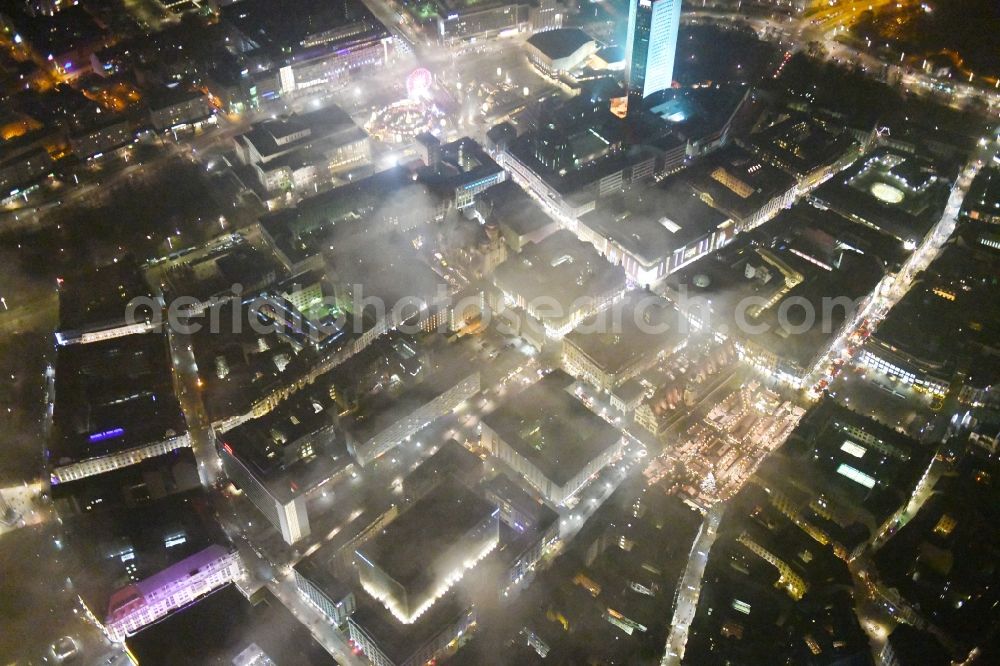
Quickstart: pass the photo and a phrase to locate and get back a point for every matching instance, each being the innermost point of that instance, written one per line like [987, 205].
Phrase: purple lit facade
[135, 606]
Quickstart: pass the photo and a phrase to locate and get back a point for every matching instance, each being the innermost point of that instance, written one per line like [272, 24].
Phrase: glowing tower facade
[650, 49]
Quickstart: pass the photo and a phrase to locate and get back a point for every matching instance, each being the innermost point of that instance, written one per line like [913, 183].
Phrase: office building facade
[149, 600]
[287, 514]
[650, 48]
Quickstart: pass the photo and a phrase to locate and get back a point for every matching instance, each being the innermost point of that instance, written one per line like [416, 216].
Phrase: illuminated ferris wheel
[418, 84]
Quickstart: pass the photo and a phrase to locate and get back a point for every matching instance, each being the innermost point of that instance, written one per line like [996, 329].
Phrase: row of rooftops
[950, 312]
[804, 252]
[305, 438]
[301, 27]
[769, 573]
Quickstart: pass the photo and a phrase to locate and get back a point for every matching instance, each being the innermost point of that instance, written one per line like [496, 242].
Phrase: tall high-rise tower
[650, 49]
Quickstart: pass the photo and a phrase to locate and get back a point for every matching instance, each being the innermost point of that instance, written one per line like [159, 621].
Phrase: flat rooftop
[113, 395]
[261, 442]
[299, 26]
[641, 325]
[272, 137]
[450, 461]
[165, 578]
[792, 256]
[462, 162]
[956, 305]
[800, 144]
[389, 269]
[318, 569]
[738, 182]
[594, 138]
[898, 193]
[379, 408]
[161, 97]
[224, 628]
[242, 365]
[370, 206]
[514, 209]
[697, 113]
[399, 641]
[406, 549]
[559, 43]
[100, 297]
[652, 222]
[72, 27]
[560, 267]
[449, 7]
[137, 539]
[216, 273]
[539, 514]
[552, 429]
[860, 462]
[983, 198]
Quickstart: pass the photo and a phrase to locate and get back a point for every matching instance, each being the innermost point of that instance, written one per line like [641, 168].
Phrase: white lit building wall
[441, 644]
[907, 375]
[660, 19]
[450, 566]
[336, 610]
[93, 466]
[157, 603]
[109, 333]
[662, 45]
[331, 68]
[289, 518]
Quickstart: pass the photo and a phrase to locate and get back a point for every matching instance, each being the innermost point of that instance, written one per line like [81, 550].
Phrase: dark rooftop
[382, 202]
[795, 246]
[652, 222]
[641, 325]
[399, 641]
[270, 446]
[99, 298]
[559, 43]
[800, 144]
[897, 193]
[266, 134]
[737, 182]
[462, 162]
[406, 548]
[953, 307]
[298, 26]
[513, 208]
[560, 267]
[224, 625]
[113, 395]
[552, 429]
